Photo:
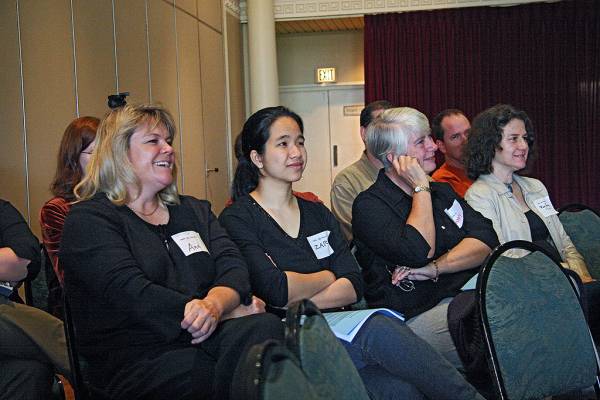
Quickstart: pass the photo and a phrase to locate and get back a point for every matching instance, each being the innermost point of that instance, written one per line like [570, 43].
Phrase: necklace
[145, 214]
[509, 186]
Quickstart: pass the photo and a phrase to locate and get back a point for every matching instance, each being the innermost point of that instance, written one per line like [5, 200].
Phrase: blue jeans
[394, 363]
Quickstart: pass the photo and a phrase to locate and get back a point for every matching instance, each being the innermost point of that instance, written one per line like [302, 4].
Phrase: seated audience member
[32, 342]
[501, 145]
[310, 196]
[404, 221]
[295, 250]
[75, 150]
[154, 282]
[359, 176]
[450, 130]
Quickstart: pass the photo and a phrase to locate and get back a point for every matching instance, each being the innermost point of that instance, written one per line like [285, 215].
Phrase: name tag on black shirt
[319, 244]
[189, 242]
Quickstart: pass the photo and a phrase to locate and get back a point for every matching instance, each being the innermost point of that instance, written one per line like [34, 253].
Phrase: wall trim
[315, 9]
[315, 87]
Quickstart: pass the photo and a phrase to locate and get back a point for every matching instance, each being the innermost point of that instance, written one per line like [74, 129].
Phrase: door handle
[212, 170]
[335, 158]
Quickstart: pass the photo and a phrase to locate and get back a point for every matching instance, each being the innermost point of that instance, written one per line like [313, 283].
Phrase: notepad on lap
[346, 324]
[471, 283]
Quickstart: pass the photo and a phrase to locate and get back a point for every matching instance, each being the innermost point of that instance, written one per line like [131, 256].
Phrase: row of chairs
[537, 339]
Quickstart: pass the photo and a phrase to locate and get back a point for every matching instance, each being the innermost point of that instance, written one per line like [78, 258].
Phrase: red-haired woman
[76, 148]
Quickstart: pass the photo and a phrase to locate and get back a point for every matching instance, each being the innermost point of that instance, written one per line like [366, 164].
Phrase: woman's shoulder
[530, 184]
[481, 187]
[239, 208]
[374, 192]
[56, 204]
[316, 209]
[443, 187]
[195, 203]
[99, 204]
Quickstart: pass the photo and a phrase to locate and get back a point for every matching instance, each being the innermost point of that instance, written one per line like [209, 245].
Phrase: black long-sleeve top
[270, 251]
[128, 281]
[15, 233]
[384, 240]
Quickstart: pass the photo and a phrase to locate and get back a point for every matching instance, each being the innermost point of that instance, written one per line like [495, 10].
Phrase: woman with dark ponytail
[254, 135]
[246, 174]
[295, 250]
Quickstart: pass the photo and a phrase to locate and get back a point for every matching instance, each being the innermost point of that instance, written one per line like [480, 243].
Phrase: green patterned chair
[271, 372]
[582, 224]
[537, 338]
[323, 358]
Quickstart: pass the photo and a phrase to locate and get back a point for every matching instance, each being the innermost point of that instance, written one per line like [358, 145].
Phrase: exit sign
[325, 75]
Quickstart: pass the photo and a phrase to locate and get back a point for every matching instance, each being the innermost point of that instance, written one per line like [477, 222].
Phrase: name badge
[320, 244]
[189, 242]
[456, 213]
[545, 207]
[6, 289]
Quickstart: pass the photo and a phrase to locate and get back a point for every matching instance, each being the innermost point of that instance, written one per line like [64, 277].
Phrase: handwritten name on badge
[544, 205]
[456, 213]
[320, 244]
[189, 242]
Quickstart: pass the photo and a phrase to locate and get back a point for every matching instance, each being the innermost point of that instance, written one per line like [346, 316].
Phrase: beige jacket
[493, 200]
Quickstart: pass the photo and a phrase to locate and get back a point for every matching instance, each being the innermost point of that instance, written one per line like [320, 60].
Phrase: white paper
[320, 244]
[471, 283]
[545, 207]
[456, 213]
[189, 242]
[346, 324]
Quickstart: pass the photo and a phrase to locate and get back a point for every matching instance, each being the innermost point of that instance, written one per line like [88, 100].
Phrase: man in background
[450, 130]
[359, 176]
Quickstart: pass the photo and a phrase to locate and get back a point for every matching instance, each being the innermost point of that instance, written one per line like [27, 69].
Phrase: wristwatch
[422, 189]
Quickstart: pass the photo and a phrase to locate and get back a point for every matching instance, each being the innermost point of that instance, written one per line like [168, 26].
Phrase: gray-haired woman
[417, 241]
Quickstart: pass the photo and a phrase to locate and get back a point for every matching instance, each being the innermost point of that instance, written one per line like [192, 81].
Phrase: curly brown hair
[485, 136]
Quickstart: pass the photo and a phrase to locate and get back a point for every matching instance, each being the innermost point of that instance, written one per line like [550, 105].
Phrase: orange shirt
[456, 177]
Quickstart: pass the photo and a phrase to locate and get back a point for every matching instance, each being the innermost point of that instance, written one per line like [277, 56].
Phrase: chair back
[80, 381]
[582, 224]
[79, 387]
[535, 331]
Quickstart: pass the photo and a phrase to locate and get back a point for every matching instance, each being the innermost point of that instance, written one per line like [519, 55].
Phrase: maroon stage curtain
[542, 58]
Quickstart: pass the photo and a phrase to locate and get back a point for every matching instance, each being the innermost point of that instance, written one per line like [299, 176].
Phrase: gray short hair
[390, 132]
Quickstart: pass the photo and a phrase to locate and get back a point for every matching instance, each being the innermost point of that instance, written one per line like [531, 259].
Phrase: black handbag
[271, 372]
[323, 358]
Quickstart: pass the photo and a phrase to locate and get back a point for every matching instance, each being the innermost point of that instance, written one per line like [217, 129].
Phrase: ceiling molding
[316, 9]
[233, 7]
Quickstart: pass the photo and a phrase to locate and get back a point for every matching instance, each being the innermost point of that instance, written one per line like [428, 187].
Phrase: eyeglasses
[405, 284]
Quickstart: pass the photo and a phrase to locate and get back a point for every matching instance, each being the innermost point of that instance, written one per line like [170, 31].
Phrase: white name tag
[189, 242]
[545, 207]
[456, 213]
[320, 244]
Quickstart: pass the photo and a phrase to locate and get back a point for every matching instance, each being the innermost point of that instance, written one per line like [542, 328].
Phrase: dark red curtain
[542, 58]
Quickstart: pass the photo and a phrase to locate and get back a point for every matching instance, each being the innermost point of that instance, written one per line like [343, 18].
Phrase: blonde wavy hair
[109, 170]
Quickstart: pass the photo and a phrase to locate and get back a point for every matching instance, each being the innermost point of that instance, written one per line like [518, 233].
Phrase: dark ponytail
[254, 135]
